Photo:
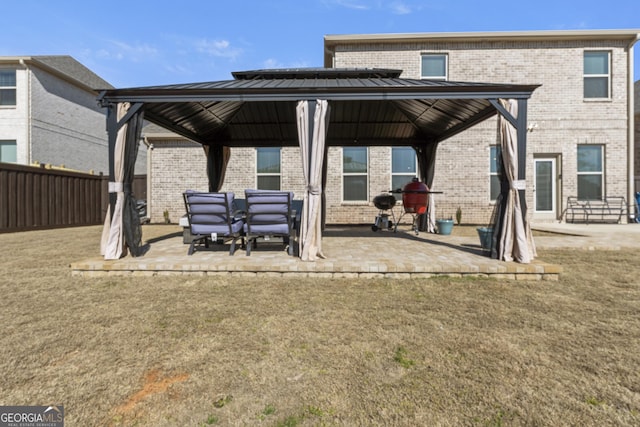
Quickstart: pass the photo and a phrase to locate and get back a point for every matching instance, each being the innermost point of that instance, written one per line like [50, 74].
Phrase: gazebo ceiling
[368, 106]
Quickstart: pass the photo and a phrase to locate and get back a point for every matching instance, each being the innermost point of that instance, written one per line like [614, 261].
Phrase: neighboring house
[49, 114]
[580, 139]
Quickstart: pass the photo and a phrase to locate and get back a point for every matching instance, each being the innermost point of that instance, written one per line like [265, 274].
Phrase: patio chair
[212, 219]
[269, 214]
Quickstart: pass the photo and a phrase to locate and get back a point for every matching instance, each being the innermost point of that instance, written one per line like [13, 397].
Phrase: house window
[7, 87]
[590, 172]
[354, 174]
[495, 170]
[434, 66]
[8, 151]
[597, 75]
[268, 168]
[403, 167]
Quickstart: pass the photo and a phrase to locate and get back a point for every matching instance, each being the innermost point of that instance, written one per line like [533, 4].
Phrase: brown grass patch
[153, 384]
[317, 352]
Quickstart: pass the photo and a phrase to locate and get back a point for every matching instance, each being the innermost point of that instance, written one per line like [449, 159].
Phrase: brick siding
[563, 118]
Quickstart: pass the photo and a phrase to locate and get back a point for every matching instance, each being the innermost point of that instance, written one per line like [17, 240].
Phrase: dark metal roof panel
[258, 108]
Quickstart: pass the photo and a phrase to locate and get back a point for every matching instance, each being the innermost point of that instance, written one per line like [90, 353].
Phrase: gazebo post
[521, 129]
[112, 134]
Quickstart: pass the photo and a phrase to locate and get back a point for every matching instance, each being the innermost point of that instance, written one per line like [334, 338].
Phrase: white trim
[365, 174]
[598, 76]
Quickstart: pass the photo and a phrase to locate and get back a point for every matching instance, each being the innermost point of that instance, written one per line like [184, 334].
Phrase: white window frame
[586, 76]
[446, 66]
[409, 175]
[14, 88]
[496, 173]
[347, 174]
[600, 173]
[269, 174]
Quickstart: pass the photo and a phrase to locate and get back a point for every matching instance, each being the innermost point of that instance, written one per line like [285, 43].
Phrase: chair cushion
[268, 212]
[270, 229]
[208, 213]
[221, 229]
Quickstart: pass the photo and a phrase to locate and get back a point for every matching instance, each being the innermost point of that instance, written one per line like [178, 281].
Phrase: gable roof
[65, 67]
[368, 107]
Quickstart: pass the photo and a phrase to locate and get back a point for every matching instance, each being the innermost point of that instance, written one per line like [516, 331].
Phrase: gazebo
[313, 109]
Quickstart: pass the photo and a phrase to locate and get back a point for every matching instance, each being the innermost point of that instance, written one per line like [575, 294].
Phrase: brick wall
[68, 127]
[564, 119]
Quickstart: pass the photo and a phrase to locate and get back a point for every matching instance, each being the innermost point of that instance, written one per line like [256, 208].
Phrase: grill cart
[384, 202]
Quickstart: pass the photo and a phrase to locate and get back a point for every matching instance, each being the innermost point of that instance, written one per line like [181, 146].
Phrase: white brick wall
[563, 120]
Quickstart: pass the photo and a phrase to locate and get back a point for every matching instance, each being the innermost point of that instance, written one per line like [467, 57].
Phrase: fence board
[37, 198]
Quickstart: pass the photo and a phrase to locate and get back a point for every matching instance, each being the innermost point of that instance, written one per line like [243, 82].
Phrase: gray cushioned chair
[212, 218]
[269, 213]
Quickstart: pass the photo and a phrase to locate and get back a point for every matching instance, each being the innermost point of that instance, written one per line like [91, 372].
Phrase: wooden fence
[37, 198]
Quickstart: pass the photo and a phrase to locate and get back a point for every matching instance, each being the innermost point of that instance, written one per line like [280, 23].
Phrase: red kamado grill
[415, 199]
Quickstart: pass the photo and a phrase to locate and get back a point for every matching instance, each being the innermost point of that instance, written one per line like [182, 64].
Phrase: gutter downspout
[27, 133]
[631, 128]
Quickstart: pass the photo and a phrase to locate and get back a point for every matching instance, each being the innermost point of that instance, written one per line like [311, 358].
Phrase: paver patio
[350, 252]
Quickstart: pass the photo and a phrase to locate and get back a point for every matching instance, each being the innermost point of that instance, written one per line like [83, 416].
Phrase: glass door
[545, 187]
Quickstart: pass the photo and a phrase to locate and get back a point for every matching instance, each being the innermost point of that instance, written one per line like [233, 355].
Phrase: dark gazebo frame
[369, 107]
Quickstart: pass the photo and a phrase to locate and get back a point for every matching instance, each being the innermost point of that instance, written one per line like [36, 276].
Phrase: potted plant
[444, 225]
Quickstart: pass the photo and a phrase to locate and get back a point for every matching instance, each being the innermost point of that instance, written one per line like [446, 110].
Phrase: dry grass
[194, 351]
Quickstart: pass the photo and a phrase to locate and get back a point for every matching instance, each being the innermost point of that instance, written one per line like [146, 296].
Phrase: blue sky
[143, 43]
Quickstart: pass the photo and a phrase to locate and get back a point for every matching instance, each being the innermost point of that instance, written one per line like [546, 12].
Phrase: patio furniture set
[221, 218]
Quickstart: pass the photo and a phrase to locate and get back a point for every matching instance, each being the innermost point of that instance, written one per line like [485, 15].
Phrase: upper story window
[597, 74]
[268, 168]
[355, 178]
[403, 167]
[434, 66]
[8, 151]
[495, 169]
[590, 172]
[7, 87]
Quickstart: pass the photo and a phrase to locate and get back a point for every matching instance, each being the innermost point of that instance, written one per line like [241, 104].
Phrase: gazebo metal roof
[368, 106]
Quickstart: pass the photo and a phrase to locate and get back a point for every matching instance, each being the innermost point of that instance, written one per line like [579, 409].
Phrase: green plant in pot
[459, 216]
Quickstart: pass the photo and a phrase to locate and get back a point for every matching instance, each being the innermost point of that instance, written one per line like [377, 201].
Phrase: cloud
[400, 8]
[272, 63]
[119, 50]
[218, 48]
[349, 4]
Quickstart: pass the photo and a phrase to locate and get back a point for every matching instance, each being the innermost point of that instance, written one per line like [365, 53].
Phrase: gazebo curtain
[122, 225]
[312, 121]
[515, 241]
[426, 155]
[217, 161]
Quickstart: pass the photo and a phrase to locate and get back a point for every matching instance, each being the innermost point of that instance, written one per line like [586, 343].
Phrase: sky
[146, 43]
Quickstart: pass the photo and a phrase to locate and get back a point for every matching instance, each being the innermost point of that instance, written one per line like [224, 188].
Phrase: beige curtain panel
[516, 241]
[311, 137]
[112, 244]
